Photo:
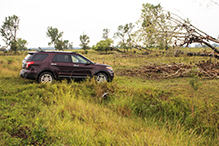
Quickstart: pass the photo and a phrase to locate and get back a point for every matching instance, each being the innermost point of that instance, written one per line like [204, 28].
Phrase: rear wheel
[45, 77]
[101, 77]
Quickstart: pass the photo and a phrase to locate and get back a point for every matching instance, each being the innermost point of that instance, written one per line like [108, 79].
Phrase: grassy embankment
[138, 111]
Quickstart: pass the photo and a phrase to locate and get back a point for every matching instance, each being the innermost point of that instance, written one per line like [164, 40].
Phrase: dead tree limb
[184, 33]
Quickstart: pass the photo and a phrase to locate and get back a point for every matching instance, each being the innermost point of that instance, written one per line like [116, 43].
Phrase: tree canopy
[8, 31]
[85, 40]
[103, 45]
[105, 33]
[68, 45]
[55, 37]
[153, 26]
[124, 34]
[21, 44]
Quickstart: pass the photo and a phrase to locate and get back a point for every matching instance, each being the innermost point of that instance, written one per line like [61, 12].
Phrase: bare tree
[158, 26]
[214, 2]
[124, 34]
[185, 33]
[105, 33]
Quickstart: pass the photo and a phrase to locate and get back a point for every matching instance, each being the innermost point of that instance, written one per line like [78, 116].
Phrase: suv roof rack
[57, 51]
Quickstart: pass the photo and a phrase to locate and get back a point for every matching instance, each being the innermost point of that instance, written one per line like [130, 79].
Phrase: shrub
[85, 52]
[10, 61]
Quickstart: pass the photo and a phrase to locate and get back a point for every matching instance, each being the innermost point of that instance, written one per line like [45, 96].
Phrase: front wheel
[101, 77]
[45, 77]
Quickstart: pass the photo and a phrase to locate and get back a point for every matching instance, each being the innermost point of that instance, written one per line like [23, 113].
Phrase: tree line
[157, 28]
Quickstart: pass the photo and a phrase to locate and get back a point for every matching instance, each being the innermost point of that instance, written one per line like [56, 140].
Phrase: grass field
[137, 111]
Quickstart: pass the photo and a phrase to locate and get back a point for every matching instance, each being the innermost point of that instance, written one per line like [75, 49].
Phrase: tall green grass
[135, 111]
[76, 114]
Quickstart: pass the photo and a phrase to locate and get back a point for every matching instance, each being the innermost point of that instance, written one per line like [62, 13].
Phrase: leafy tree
[13, 46]
[22, 44]
[55, 36]
[68, 45]
[124, 34]
[60, 45]
[85, 40]
[159, 28]
[8, 31]
[103, 45]
[2, 48]
[154, 26]
[105, 33]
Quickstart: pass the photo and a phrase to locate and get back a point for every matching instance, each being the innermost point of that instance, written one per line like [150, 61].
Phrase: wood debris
[206, 69]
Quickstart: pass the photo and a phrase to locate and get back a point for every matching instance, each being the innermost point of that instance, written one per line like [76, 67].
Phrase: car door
[62, 65]
[82, 68]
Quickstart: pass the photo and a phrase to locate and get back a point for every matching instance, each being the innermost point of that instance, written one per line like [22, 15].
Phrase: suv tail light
[29, 63]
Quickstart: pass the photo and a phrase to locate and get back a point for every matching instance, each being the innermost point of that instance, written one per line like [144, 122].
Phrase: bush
[10, 61]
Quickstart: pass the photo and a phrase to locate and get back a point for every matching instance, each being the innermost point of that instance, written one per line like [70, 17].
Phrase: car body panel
[59, 69]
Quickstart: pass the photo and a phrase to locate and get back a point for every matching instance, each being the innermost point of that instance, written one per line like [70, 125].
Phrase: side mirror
[88, 63]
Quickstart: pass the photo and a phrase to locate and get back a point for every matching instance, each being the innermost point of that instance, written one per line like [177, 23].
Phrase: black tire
[45, 77]
[101, 77]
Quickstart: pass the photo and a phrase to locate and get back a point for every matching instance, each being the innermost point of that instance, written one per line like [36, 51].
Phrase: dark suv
[46, 66]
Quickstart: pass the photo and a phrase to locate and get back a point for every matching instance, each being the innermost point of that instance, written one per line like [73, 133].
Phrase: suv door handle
[53, 64]
[76, 65]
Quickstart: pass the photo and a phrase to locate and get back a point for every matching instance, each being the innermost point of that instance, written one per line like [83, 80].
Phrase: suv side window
[78, 59]
[61, 58]
[28, 57]
[39, 57]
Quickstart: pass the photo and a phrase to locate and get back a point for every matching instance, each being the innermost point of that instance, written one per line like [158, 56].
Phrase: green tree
[105, 33]
[55, 36]
[60, 45]
[68, 45]
[8, 31]
[22, 44]
[85, 40]
[154, 26]
[124, 34]
[103, 45]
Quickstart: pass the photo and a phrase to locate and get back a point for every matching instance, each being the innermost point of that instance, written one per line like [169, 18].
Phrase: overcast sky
[74, 17]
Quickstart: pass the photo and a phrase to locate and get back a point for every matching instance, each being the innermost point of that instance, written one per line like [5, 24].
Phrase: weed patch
[131, 110]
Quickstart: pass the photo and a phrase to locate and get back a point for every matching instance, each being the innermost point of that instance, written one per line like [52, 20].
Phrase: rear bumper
[28, 74]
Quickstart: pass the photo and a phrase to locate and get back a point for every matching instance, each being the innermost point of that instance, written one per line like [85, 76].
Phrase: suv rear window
[39, 57]
[28, 57]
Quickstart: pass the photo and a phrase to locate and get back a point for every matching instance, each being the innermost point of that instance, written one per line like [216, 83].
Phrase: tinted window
[78, 59]
[61, 58]
[39, 57]
[28, 57]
